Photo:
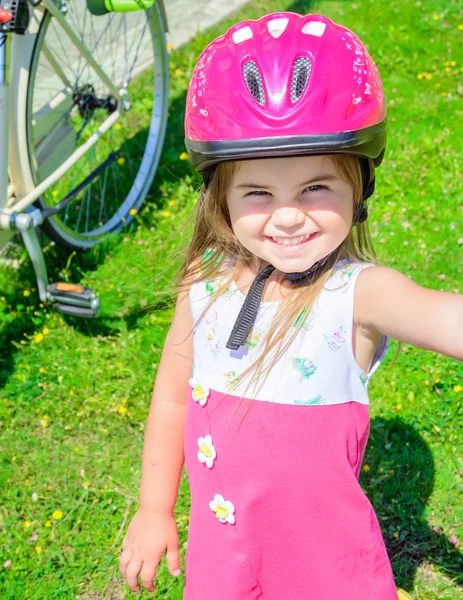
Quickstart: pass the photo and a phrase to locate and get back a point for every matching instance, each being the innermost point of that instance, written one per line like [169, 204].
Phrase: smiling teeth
[291, 241]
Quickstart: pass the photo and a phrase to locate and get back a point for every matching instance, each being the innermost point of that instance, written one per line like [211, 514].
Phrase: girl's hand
[149, 535]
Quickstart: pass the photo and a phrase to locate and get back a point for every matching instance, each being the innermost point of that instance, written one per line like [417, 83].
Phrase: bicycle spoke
[69, 102]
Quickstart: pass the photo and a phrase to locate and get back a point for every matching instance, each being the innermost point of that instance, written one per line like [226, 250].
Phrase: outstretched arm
[394, 305]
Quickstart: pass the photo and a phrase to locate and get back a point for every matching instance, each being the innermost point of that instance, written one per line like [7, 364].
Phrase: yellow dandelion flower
[436, 17]
[27, 524]
[38, 337]
[121, 160]
[45, 331]
[27, 293]
[447, 69]
[366, 468]
[86, 484]
[437, 380]
[48, 524]
[57, 514]
[426, 382]
[420, 76]
[133, 211]
[178, 72]
[460, 27]
[44, 423]
[452, 63]
[398, 407]
[428, 76]
[169, 47]
[117, 127]
[38, 549]
[444, 94]
[122, 409]
[457, 388]
[54, 193]
[172, 203]
[183, 156]
[96, 561]
[165, 213]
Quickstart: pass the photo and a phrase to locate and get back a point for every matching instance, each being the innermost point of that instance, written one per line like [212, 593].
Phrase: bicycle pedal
[73, 299]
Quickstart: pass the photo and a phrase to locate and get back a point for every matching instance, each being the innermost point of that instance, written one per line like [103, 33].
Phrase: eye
[258, 193]
[315, 188]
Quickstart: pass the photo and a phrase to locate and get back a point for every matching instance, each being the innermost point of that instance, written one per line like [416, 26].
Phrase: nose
[288, 216]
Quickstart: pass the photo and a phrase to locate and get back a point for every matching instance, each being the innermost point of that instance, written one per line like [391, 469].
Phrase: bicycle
[83, 113]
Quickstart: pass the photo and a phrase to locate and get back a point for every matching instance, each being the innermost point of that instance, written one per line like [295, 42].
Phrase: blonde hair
[214, 242]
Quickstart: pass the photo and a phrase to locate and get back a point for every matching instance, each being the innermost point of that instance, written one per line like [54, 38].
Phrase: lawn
[74, 395]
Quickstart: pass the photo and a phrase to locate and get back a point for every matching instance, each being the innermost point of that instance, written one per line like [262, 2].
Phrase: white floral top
[319, 368]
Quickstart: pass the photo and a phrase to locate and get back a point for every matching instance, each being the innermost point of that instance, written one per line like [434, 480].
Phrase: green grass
[74, 394]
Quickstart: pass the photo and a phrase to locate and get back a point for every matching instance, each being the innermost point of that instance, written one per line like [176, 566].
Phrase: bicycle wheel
[66, 103]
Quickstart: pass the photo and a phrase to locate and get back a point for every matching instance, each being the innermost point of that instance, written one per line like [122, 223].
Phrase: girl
[291, 313]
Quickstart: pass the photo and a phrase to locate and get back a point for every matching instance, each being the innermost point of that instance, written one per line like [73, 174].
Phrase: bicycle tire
[135, 140]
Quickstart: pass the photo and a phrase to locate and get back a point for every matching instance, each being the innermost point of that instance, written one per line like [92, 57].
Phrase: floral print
[253, 339]
[211, 287]
[212, 326]
[305, 367]
[336, 340]
[313, 402]
[224, 509]
[231, 384]
[200, 391]
[206, 453]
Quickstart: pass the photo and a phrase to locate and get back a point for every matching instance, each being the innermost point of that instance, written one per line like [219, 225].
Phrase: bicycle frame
[14, 61]
[17, 197]
[4, 89]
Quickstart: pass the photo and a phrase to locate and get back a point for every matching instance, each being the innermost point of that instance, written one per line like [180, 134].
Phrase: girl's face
[277, 200]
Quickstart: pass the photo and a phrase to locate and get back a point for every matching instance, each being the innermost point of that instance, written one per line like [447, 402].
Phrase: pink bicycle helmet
[285, 84]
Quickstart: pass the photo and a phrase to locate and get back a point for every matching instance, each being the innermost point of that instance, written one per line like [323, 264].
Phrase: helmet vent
[253, 80]
[301, 74]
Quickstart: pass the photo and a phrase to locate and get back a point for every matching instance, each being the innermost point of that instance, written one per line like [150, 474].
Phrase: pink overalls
[277, 511]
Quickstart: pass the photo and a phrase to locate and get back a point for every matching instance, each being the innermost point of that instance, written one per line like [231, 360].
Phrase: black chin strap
[248, 313]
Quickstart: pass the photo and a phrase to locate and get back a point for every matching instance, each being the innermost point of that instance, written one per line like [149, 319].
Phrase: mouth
[288, 246]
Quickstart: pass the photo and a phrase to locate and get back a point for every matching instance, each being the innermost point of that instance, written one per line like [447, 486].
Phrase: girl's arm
[152, 530]
[394, 305]
[163, 447]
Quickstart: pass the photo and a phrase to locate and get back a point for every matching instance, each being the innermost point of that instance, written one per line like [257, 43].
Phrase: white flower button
[223, 509]
[207, 453]
[200, 391]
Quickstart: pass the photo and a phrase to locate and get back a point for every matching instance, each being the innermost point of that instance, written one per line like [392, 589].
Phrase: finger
[173, 559]
[131, 574]
[124, 560]
[147, 574]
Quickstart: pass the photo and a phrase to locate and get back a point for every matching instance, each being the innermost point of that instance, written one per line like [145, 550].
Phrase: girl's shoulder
[345, 273]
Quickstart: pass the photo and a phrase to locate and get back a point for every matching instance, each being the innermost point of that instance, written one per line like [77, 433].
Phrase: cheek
[336, 213]
[245, 217]
[248, 224]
